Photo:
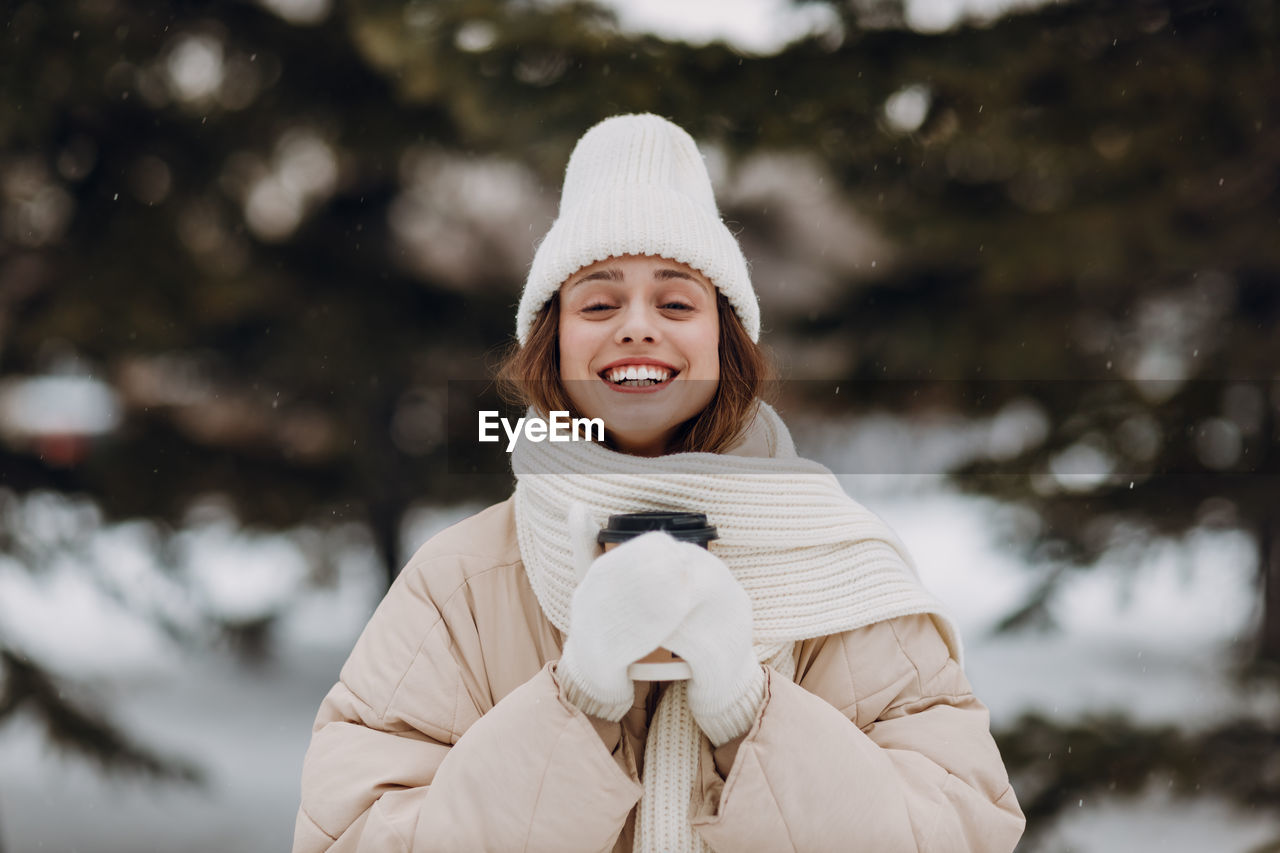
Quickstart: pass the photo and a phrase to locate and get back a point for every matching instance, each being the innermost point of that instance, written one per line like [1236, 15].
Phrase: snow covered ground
[1149, 640]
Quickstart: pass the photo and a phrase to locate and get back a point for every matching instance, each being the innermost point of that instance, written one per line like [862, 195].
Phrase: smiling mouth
[638, 376]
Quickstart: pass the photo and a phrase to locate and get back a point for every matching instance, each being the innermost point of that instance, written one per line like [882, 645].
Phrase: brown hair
[529, 375]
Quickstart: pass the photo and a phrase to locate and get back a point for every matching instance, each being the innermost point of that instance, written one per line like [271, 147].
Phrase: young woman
[487, 705]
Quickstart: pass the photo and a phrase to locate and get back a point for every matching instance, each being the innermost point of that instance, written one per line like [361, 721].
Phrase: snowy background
[214, 643]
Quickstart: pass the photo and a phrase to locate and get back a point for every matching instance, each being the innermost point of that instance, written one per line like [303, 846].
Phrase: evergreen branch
[1055, 765]
[76, 729]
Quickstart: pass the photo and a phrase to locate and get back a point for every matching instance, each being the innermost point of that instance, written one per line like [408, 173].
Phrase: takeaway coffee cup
[660, 664]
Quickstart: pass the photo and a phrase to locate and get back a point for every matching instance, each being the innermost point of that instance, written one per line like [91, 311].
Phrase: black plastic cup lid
[684, 526]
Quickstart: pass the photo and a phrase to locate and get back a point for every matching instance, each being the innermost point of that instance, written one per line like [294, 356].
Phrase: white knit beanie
[637, 185]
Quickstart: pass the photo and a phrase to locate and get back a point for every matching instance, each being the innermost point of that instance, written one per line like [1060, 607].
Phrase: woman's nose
[638, 325]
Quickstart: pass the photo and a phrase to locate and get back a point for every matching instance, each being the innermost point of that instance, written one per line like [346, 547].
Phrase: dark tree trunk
[1268, 650]
[386, 484]
[1269, 566]
[384, 521]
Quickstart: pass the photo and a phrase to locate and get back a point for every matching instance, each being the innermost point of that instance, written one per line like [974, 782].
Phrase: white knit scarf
[813, 561]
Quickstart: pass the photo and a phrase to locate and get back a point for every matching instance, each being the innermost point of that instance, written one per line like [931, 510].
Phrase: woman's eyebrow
[607, 274]
[668, 273]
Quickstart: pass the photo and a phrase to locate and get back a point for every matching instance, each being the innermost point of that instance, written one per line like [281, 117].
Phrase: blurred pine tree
[242, 224]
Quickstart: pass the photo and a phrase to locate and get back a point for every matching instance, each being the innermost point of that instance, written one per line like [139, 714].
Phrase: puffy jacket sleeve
[410, 752]
[881, 746]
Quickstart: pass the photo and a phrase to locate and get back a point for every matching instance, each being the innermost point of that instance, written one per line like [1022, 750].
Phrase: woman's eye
[679, 306]
[598, 306]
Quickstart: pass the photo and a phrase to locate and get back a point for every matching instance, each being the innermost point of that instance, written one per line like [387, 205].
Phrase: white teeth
[639, 373]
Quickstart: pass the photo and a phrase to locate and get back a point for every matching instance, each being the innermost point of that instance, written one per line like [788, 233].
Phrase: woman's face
[639, 338]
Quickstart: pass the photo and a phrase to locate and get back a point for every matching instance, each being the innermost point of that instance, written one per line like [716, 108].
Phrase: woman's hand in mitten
[626, 604]
[727, 686]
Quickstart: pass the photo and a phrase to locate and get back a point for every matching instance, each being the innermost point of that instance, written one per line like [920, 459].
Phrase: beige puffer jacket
[447, 732]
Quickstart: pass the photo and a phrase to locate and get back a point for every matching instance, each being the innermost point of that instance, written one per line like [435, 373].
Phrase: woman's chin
[642, 422]
[641, 442]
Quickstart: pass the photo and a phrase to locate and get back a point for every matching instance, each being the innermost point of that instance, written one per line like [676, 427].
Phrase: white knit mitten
[727, 685]
[628, 602]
